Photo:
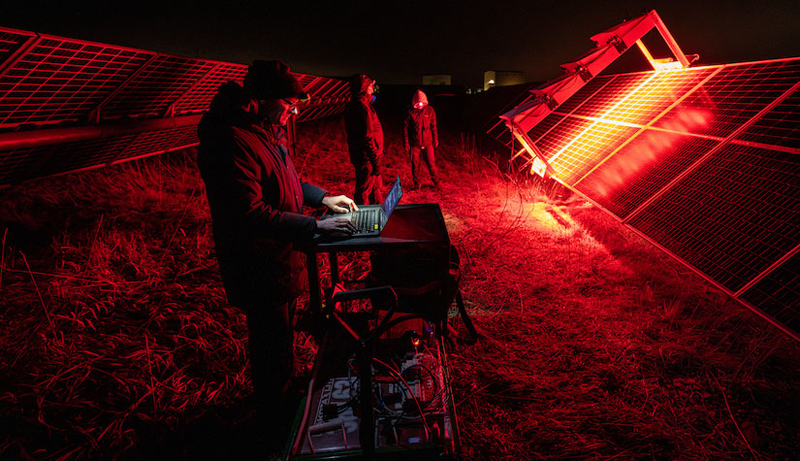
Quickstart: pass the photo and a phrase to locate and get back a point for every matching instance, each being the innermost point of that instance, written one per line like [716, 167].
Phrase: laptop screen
[392, 199]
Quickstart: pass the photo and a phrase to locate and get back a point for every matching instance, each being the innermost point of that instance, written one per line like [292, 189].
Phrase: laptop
[371, 219]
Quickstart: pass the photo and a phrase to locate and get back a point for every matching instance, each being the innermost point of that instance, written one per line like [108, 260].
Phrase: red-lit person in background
[364, 140]
[421, 136]
[256, 200]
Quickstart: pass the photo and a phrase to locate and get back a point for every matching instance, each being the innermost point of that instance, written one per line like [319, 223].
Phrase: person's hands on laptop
[335, 227]
[340, 204]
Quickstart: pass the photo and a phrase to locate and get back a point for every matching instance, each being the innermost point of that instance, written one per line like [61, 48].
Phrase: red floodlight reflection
[639, 155]
[702, 162]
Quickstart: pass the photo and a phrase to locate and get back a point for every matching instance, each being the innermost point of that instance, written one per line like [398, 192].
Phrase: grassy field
[118, 342]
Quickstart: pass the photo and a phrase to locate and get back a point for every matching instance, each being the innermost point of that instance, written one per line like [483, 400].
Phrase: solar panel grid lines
[778, 292]
[545, 126]
[735, 95]
[585, 93]
[780, 126]
[610, 94]
[590, 146]
[655, 94]
[742, 207]
[198, 98]
[16, 165]
[83, 154]
[642, 168]
[732, 135]
[552, 121]
[687, 83]
[57, 80]
[568, 129]
[10, 43]
[160, 141]
[574, 159]
[160, 83]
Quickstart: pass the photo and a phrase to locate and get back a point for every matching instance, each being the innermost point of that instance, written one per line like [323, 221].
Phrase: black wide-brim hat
[272, 80]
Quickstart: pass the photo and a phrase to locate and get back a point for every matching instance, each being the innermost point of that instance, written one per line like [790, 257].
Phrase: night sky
[399, 41]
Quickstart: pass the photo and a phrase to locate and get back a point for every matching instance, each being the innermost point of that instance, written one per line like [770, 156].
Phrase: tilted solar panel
[777, 293]
[198, 98]
[732, 217]
[734, 96]
[641, 168]
[704, 162]
[11, 41]
[58, 80]
[780, 127]
[68, 104]
[161, 82]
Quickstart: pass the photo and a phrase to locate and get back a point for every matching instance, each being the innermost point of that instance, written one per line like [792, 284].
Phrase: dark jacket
[256, 201]
[419, 129]
[364, 131]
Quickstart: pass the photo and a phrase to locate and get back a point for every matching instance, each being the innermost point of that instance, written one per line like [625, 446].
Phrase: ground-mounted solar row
[641, 168]
[778, 127]
[732, 97]
[152, 90]
[58, 80]
[198, 98]
[732, 217]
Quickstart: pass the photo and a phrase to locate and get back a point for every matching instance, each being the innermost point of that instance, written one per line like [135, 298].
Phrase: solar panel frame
[10, 43]
[640, 169]
[736, 94]
[778, 292]
[95, 91]
[152, 90]
[703, 220]
[59, 80]
[739, 154]
[198, 98]
[778, 127]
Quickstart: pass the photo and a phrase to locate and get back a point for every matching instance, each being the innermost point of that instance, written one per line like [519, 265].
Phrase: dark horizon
[399, 44]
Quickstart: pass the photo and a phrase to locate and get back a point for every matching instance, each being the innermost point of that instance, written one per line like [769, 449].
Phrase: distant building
[492, 78]
[441, 79]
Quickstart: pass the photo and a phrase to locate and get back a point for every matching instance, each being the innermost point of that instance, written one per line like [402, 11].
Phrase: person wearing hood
[256, 201]
[421, 136]
[364, 140]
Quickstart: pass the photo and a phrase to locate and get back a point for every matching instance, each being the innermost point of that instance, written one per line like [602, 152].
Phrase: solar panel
[732, 217]
[703, 162]
[778, 292]
[162, 81]
[59, 80]
[734, 96]
[198, 98]
[11, 41]
[642, 168]
[68, 104]
[780, 127]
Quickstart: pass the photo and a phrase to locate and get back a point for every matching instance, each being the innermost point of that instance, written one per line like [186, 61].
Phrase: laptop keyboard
[365, 220]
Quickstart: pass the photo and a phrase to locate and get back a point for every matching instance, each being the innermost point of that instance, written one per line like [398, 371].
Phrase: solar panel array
[703, 162]
[67, 104]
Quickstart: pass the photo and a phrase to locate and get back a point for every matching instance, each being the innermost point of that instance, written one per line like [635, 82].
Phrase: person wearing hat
[364, 140]
[256, 200]
[420, 135]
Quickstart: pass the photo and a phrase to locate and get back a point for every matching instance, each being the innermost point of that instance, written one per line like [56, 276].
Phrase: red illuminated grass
[117, 340]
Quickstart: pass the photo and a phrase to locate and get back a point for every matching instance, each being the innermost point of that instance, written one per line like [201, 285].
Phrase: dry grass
[117, 340]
